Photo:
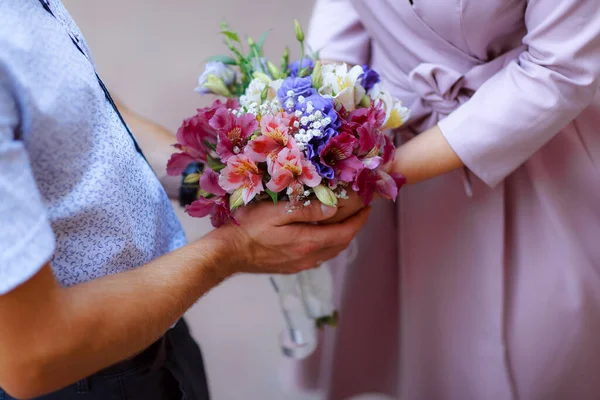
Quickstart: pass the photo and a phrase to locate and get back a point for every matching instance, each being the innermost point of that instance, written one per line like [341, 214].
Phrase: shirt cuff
[22, 261]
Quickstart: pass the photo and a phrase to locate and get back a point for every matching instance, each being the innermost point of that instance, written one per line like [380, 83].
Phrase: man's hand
[347, 208]
[52, 336]
[273, 239]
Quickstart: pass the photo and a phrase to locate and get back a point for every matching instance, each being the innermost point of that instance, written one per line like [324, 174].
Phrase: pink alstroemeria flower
[338, 153]
[275, 137]
[233, 132]
[289, 168]
[193, 136]
[242, 172]
[370, 182]
[367, 122]
[217, 205]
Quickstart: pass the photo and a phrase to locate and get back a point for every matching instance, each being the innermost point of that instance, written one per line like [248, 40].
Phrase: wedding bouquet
[298, 132]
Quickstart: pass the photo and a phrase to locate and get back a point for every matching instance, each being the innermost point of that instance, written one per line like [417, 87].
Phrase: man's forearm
[79, 330]
[426, 156]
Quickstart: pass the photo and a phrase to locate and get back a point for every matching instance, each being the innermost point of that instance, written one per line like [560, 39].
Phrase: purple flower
[296, 66]
[369, 78]
[292, 88]
[313, 151]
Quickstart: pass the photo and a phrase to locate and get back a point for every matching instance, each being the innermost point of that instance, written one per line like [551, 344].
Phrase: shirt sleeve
[336, 32]
[26, 238]
[524, 105]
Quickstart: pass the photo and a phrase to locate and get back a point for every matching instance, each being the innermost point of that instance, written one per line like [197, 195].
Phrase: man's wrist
[220, 253]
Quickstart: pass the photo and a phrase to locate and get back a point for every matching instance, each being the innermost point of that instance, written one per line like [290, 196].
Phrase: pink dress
[494, 295]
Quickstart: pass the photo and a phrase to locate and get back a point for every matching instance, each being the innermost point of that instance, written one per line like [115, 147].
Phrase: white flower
[253, 92]
[343, 85]
[309, 107]
[274, 87]
[395, 114]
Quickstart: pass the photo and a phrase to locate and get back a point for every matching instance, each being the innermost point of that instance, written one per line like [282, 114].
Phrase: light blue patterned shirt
[73, 189]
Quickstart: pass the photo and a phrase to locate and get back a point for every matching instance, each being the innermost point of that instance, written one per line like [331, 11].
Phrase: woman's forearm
[426, 156]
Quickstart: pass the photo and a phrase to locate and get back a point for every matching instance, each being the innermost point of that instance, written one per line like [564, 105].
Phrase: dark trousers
[170, 369]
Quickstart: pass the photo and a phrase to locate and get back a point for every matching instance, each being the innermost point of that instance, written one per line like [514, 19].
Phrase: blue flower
[296, 66]
[369, 78]
[313, 152]
[292, 88]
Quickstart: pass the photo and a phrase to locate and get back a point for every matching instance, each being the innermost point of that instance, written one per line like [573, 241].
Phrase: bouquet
[299, 132]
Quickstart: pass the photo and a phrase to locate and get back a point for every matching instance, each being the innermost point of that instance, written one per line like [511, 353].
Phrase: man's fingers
[342, 233]
[314, 212]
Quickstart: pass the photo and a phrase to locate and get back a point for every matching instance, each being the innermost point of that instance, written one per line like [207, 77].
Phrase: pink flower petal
[223, 121]
[209, 182]
[386, 186]
[178, 163]
[259, 148]
[200, 208]
[349, 168]
[371, 162]
[389, 150]
[365, 185]
[225, 148]
[280, 180]
[254, 187]
[248, 124]
[309, 176]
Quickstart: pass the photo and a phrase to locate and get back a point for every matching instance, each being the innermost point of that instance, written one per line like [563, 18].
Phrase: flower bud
[192, 178]
[299, 31]
[264, 94]
[217, 86]
[262, 76]
[273, 70]
[326, 195]
[317, 77]
[236, 200]
[365, 102]
[285, 60]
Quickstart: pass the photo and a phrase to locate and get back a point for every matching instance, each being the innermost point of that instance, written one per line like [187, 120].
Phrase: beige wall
[150, 52]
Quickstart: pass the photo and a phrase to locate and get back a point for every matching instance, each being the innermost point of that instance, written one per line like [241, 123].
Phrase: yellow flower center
[294, 169]
[235, 134]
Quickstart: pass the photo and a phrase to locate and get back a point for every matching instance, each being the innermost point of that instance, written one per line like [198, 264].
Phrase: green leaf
[273, 195]
[224, 59]
[210, 145]
[261, 41]
[329, 320]
[215, 165]
[231, 35]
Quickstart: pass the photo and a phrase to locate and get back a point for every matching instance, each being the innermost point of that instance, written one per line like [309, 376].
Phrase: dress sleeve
[524, 105]
[336, 32]
[26, 238]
